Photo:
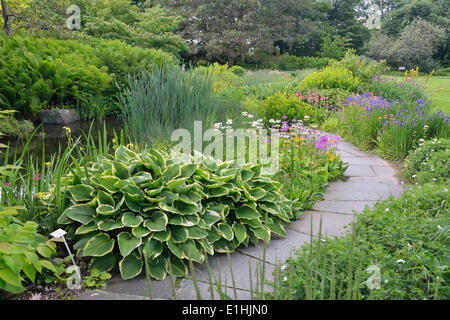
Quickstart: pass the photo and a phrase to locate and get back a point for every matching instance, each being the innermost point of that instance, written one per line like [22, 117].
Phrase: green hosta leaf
[107, 183]
[132, 204]
[157, 222]
[176, 183]
[47, 250]
[254, 223]
[120, 170]
[105, 198]
[213, 235]
[246, 175]
[131, 220]
[171, 172]
[184, 207]
[176, 267]
[103, 264]
[176, 220]
[80, 244]
[245, 212]
[211, 217]
[81, 213]
[142, 178]
[262, 233]
[239, 232]
[133, 192]
[154, 192]
[84, 229]
[192, 196]
[189, 221]
[162, 236]
[160, 157]
[225, 231]
[217, 191]
[127, 243]
[153, 248]
[179, 234]
[277, 227]
[81, 193]
[99, 246]
[196, 232]
[222, 246]
[188, 170]
[191, 252]
[130, 266]
[174, 248]
[106, 210]
[209, 249]
[258, 193]
[158, 268]
[140, 231]
[10, 277]
[109, 225]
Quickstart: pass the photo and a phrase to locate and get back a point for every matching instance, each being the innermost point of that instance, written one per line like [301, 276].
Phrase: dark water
[54, 137]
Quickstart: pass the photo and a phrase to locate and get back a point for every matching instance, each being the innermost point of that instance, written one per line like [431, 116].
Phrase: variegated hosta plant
[135, 205]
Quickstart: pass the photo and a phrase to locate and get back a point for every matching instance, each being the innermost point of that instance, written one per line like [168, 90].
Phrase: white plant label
[58, 233]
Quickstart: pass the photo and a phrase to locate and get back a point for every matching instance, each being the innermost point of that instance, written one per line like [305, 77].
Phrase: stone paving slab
[371, 161]
[358, 191]
[343, 207]
[102, 295]
[332, 223]
[360, 171]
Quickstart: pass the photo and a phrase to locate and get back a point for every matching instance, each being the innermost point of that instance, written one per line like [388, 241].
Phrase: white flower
[401, 261]
[250, 116]
[306, 117]
[439, 227]
[272, 121]
[245, 114]
[229, 121]
[283, 267]
[387, 210]
[422, 140]
[285, 279]
[414, 176]
[218, 125]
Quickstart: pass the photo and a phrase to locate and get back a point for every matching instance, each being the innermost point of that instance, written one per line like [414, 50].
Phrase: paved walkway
[370, 179]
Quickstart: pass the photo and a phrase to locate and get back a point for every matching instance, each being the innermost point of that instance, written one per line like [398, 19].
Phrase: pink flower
[6, 184]
[36, 177]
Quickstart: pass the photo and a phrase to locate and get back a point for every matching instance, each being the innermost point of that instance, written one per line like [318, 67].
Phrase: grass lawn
[439, 90]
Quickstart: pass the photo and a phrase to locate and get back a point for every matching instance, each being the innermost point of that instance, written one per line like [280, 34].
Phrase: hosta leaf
[109, 225]
[262, 233]
[222, 246]
[133, 192]
[132, 204]
[80, 244]
[103, 264]
[277, 227]
[160, 157]
[188, 170]
[196, 233]
[81, 213]
[158, 268]
[176, 220]
[98, 246]
[211, 217]
[176, 183]
[225, 231]
[127, 243]
[162, 236]
[120, 170]
[140, 231]
[81, 193]
[105, 198]
[246, 175]
[179, 234]
[153, 248]
[84, 229]
[191, 252]
[183, 207]
[213, 235]
[142, 178]
[218, 191]
[157, 222]
[191, 220]
[130, 266]
[254, 223]
[106, 210]
[245, 212]
[174, 248]
[258, 193]
[209, 249]
[171, 172]
[239, 232]
[176, 267]
[107, 183]
[154, 192]
[131, 220]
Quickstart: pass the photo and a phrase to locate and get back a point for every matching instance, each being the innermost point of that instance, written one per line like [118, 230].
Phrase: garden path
[370, 179]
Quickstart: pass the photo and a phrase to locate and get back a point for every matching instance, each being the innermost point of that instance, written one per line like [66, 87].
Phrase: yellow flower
[130, 146]
[114, 140]
[67, 130]
[48, 164]
[40, 195]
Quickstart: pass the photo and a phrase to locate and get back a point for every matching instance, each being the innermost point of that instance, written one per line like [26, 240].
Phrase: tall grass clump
[165, 98]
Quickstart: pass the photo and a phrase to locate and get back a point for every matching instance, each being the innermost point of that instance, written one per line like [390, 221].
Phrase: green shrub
[237, 70]
[135, 205]
[443, 72]
[331, 78]
[293, 63]
[12, 127]
[405, 238]
[284, 105]
[360, 67]
[20, 250]
[393, 90]
[429, 162]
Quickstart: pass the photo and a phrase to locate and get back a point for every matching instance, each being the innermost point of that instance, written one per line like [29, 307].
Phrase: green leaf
[239, 232]
[176, 267]
[103, 264]
[81, 213]
[190, 251]
[132, 204]
[162, 236]
[46, 250]
[158, 268]
[10, 277]
[127, 243]
[131, 220]
[106, 210]
[185, 207]
[258, 193]
[157, 222]
[110, 225]
[99, 246]
[153, 248]
[130, 266]
[105, 198]
[245, 212]
[84, 229]
[196, 232]
[211, 217]
[106, 182]
[225, 231]
[120, 170]
[81, 193]
[140, 231]
[179, 234]
[277, 227]
[174, 248]
[188, 170]
[171, 172]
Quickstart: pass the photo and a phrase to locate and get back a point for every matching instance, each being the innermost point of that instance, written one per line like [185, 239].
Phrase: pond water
[52, 137]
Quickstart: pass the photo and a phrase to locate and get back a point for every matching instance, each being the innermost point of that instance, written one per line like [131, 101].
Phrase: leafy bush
[405, 238]
[331, 78]
[10, 126]
[20, 248]
[136, 205]
[293, 63]
[395, 90]
[360, 67]
[237, 70]
[443, 72]
[290, 106]
[429, 162]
